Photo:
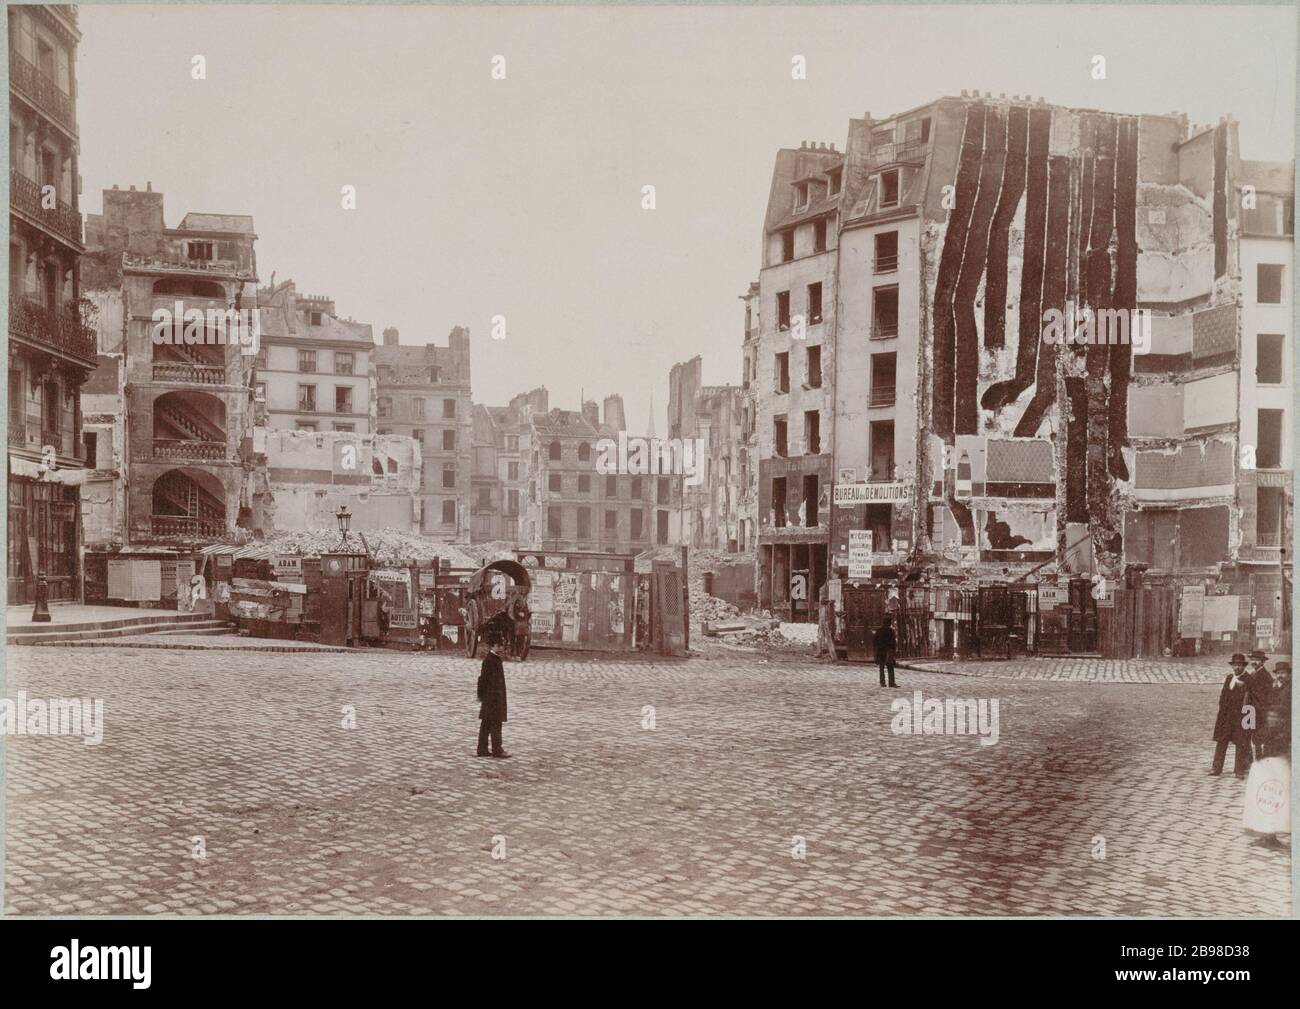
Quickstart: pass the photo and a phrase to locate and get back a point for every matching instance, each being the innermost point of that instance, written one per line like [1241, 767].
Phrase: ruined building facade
[174, 397]
[52, 348]
[424, 392]
[962, 430]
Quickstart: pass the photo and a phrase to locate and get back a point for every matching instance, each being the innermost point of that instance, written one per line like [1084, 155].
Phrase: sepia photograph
[635, 461]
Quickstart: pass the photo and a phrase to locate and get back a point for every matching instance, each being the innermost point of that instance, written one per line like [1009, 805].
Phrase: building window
[343, 399]
[385, 406]
[783, 372]
[814, 365]
[1268, 359]
[307, 398]
[664, 490]
[889, 189]
[812, 429]
[433, 376]
[314, 318]
[1270, 503]
[553, 453]
[448, 440]
[553, 525]
[449, 474]
[787, 245]
[512, 443]
[449, 513]
[611, 486]
[553, 483]
[584, 483]
[417, 407]
[418, 435]
[835, 179]
[512, 471]
[636, 488]
[778, 502]
[584, 522]
[801, 196]
[344, 362]
[1268, 453]
[305, 425]
[884, 313]
[810, 515]
[344, 427]
[198, 250]
[584, 452]
[819, 235]
[925, 130]
[512, 502]
[259, 392]
[1268, 284]
[779, 434]
[611, 520]
[882, 450]
[484, 498]
[783, 310]
[306, 360]
[883, 379]
[814, 303]
[886, 252]
[636, 532]
[661, 517]
[449, 408]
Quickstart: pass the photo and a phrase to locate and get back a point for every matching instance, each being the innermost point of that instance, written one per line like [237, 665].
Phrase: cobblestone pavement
[1201, 669]
[597, 814]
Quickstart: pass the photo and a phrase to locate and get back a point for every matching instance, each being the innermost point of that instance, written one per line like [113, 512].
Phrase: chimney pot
[963, 92]
[148, 187]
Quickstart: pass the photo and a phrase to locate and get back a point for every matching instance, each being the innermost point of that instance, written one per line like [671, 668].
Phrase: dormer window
[801, 196]
[889, 188]
[836, 179]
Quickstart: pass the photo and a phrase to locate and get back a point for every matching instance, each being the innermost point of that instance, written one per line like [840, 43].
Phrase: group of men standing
[1254, 713]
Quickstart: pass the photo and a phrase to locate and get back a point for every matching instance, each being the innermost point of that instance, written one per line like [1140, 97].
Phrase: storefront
[44, 519]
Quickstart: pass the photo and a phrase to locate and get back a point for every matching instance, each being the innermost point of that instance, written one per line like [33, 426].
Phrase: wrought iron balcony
[62, 330]
[886, 264]
[882, 395]
[25, 198]
[168, 264]
[41, 90]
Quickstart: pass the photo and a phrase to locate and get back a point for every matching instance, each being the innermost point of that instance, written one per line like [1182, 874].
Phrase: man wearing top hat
[1228, 728]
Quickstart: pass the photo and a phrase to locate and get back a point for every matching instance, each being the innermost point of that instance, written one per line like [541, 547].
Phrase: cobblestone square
[598, 813]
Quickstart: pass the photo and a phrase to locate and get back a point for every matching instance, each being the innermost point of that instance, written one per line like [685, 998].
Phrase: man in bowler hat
[1233, 698]
[492, 699]
[886, 644]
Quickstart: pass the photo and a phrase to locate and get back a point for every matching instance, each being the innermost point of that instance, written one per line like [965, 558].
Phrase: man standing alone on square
[885, 644]
[492, 700]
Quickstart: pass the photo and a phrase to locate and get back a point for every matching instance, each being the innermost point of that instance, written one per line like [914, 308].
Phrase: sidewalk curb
[325, 650]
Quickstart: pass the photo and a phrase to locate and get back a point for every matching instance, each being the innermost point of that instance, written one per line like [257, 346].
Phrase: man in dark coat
[492, 700]
[1273, 738]
[1228, 728]
[885, 645]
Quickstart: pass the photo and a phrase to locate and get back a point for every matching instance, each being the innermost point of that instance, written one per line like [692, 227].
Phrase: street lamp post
[344, 519]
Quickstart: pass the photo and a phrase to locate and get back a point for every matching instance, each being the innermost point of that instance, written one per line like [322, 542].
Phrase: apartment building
[172, 368]
[52, 339]
[424, 392]
[313, 368]
[794, 363]
[571, 505]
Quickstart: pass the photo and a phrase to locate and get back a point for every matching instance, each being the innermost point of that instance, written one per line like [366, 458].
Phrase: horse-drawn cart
[496, 599]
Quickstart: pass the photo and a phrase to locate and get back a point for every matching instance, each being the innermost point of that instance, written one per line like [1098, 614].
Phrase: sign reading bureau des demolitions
[847, 494]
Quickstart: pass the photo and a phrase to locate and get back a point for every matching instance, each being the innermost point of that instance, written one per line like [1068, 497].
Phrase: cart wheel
[471, 630]
[523, 647]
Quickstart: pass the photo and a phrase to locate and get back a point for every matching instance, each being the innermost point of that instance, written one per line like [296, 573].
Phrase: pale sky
[479, 197]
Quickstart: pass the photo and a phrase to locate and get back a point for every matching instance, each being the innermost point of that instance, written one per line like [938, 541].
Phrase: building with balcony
[177, 327]
[424, 392]
[52, 342]
[314, 369]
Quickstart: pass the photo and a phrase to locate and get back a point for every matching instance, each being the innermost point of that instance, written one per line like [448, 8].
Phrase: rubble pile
[706, 608]
[772, 638]
[387, 545]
